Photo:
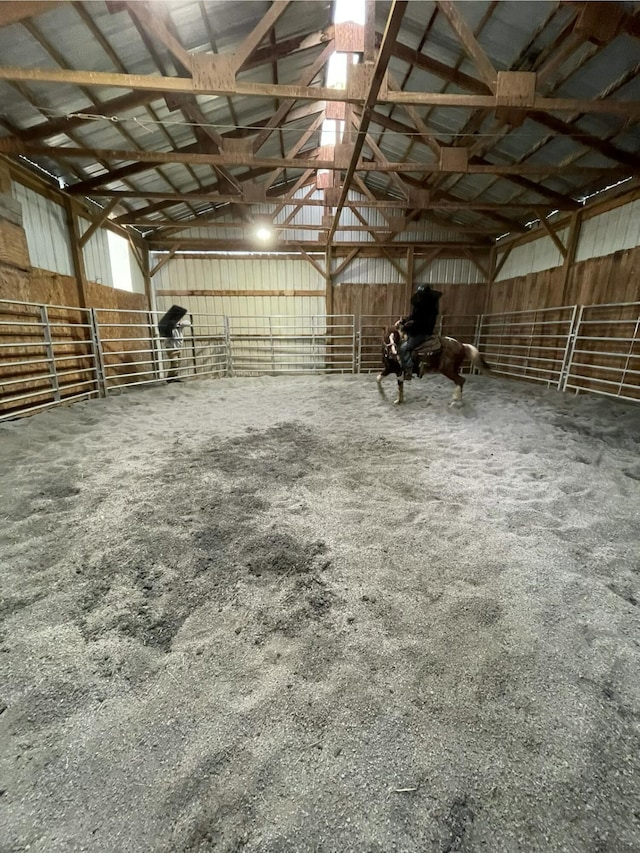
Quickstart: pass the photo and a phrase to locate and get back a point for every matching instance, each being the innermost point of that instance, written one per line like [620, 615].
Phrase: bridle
[390, 346]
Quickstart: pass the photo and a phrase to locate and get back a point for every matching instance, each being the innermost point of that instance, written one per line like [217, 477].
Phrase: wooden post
[73, 227]
[410, 266]
[329, 282]
[572, 245]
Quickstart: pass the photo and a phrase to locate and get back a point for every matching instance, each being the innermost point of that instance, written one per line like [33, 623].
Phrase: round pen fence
[53, 354]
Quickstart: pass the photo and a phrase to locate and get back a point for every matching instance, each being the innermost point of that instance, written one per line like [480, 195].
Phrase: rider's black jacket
[424, 313]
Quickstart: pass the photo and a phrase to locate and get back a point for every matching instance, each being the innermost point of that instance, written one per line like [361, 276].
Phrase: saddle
[430, 347]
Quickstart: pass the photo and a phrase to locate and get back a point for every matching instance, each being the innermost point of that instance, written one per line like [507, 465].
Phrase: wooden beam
[77, 257]
[570, 255]
[449, 203]
[163, 261]
[242, 53]
[285, 108]
[206, 244]
[469, 42]
[557, 241]
[155, 83]
[247, 292]
[424, 262]
[395, 265]
[396, 13]
[313, 262]
[440, 69]
[96, 223]
[10, 145]
[474, 260]
[153, 23]
[350, 257]
[13, 13]
[294, 150]
[502, 260]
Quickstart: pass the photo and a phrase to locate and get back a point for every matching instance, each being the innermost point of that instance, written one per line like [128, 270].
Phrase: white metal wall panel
[137, 277]
[46, 228]
[370, 271]
[610, 232]
[451, 271]
[381, 271]
[538, 255]
[237, 274]
[96, 256]
[251, 274]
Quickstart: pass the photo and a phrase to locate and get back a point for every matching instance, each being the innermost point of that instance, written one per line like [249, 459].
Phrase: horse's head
[391, 340]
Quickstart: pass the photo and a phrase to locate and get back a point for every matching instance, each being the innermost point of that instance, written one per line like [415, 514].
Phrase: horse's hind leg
[400, 391]
[457, 391]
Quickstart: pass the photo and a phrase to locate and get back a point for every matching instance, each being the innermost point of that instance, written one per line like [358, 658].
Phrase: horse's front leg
[457, 391]
[400, 391]
[384, 372]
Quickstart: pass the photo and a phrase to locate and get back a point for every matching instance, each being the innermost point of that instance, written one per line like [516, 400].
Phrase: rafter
[179, 85]
[469, 42]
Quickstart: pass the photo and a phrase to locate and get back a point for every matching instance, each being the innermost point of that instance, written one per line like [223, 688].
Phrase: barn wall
[611, 278]
[394, 300]
[234, 286]
[373, 286]
[45, 226]
[610, 232]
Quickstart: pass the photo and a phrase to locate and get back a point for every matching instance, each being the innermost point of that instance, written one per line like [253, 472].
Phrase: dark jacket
[424, 313]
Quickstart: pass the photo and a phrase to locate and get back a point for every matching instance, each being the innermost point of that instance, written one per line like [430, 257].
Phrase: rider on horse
[419, 325]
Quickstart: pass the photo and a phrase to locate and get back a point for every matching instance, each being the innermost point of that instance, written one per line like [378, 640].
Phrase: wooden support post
[73, 227]
[98, 221]
[572, 245]
[329, 282]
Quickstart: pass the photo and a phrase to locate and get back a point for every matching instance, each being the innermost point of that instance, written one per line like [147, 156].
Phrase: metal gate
[55, 354]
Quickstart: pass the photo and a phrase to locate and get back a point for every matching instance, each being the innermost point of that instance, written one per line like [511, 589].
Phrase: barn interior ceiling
[439, 125]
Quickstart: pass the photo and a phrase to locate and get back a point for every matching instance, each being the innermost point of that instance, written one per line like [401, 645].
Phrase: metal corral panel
[46, 229]
[610, 232]
[536, 256]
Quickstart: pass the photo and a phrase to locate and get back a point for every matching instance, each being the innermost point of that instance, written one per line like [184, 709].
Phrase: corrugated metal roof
[551, 39]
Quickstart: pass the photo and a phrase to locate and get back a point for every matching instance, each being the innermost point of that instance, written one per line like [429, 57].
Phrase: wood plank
[251, 42]
[239, 292]
[12, 13]
[14, 251]
[468, 40]
[156, 83]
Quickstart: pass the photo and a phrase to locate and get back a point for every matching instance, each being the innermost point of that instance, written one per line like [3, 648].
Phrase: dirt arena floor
[281, 614]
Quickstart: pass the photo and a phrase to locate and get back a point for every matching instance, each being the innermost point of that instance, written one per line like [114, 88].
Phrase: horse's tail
[477, 361]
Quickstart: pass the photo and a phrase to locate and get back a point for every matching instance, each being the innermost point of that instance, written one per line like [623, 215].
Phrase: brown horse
[437, 355]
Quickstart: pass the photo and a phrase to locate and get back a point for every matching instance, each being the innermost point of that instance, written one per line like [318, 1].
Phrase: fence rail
[54, 354]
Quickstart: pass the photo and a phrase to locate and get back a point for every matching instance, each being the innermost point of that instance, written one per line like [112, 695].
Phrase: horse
[436, 355]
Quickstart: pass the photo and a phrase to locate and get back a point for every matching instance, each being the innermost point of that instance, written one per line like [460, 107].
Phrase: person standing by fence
[171, 327]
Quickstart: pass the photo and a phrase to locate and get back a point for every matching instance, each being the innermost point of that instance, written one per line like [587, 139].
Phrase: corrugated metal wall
[96, 256]
[610, 232]
[213, 275]
[381, 271]
[45, 225]
[601, 235]
[535, 256]
[137, 276]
